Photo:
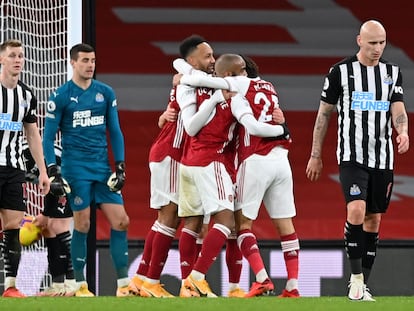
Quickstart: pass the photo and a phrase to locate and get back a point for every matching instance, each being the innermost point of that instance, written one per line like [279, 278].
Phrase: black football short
[374, 186]
[12, 189]
[56, 207]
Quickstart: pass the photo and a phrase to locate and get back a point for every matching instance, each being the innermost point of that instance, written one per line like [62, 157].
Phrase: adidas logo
[184, 264]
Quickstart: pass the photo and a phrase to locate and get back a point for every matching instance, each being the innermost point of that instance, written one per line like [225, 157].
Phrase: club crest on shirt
[99, 98]
[23, 103]
[388, 80]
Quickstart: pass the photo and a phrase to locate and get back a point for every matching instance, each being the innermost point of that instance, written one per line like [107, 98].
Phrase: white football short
[164, 182]
[205, 190]
[269, 179]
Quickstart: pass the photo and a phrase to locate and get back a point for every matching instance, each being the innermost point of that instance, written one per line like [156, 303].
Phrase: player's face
[202, 58]
[372, 45]
[12, 60]
[84, 66]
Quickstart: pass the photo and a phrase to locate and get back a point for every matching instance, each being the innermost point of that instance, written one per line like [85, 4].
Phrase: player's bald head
[372, 27]
[230, 65]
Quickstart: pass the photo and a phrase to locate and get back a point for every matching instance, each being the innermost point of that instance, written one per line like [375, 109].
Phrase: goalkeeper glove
[117, 179]
[58, 185]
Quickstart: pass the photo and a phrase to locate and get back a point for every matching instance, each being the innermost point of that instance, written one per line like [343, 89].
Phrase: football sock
[353, 246]
[290, 249]
[248, 245]
[118, 246]
[78, 254]
[162, 240]
[11, 252]
[65, 240]
[213, 243]
[146, 255]
[187, 248]
[57, 264]
[369, 254]
[234, 260]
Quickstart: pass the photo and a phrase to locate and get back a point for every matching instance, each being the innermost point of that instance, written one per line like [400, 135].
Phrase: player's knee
[124, 223]
[82, 225]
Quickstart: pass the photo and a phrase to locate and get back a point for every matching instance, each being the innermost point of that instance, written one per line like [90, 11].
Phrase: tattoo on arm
[401, 124]
[320, 129]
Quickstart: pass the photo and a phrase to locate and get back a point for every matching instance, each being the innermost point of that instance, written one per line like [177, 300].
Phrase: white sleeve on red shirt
[207, 81]
[194, 120]
[242, 111]
[183, 67]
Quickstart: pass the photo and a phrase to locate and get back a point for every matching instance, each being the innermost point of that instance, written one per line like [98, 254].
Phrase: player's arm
[193, 119]
[400, 122]
[206, 81]
[169, 115]
[117, 180]
[181, 66]
[36, 149]
[52, 120]
[197, 78]
[242, 111]
[314, 167]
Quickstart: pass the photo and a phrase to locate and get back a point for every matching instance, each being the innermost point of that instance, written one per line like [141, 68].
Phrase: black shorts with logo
[56, 207]
[374, 186]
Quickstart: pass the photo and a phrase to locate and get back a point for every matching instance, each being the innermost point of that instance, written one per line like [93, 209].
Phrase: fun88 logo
[364, 101]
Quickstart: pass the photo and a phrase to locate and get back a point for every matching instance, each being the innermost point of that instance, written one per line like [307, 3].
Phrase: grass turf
[203, 304]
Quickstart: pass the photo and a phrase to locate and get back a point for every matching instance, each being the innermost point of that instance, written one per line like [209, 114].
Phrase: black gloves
[286, 132]
[58, 185]
[117, 179]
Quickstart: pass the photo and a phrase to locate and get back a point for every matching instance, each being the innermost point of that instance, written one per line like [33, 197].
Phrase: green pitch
[203, 304]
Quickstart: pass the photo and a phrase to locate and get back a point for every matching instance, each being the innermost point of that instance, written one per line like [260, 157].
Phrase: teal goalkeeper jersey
[84, 118]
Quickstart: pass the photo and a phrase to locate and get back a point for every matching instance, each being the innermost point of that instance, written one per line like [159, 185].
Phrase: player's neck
[81, 82]
[9, 81]
[367, 61]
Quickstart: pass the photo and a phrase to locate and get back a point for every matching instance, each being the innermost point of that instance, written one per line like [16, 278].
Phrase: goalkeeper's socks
[78, 251]
[118, 245]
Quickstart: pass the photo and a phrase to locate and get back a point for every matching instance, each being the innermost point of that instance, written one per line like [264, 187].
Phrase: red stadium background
[125, 48]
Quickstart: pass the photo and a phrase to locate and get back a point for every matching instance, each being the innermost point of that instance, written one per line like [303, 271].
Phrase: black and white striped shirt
[17, 106]
[363, 96]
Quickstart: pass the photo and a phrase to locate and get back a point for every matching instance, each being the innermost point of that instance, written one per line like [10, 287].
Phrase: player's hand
[314, 168]
[403, 143]
[228, 94]
[277, 116]
[117, 179]
[177, 78]
[58, 185]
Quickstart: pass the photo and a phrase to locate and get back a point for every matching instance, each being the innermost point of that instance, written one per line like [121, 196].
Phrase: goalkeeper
[55, 219]
[84, 110]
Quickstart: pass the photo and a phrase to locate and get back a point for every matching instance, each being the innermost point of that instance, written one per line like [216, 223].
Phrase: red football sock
[212, 245]
[290, 249]
[250, 250]
[159, 255]
[146, 255]
[187, 248]
[234, 260]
